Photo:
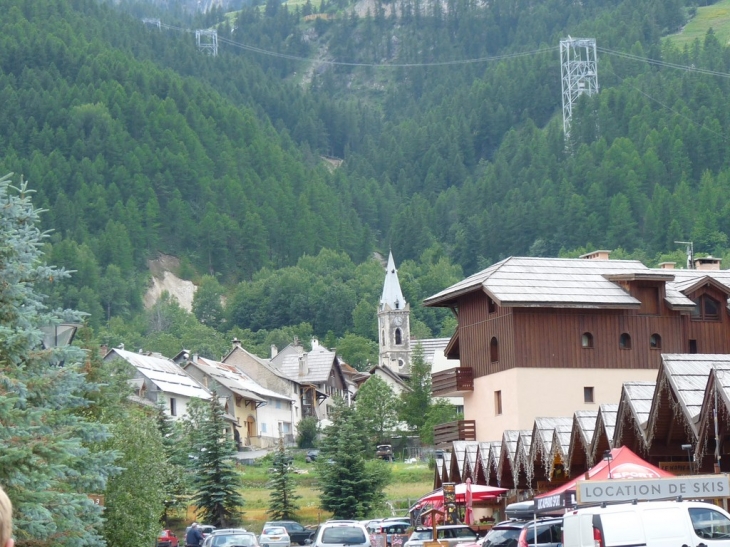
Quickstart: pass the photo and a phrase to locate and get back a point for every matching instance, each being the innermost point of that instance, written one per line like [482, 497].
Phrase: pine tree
[416, 402]
[216, 484]
[48, 464]
[175, 486]
[351, 481]
[282, 499]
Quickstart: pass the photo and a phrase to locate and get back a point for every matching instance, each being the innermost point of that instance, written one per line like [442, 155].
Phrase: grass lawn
[716, 16]
[408, 483]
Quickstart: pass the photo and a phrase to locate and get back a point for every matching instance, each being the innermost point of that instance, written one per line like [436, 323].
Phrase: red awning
[624, 465]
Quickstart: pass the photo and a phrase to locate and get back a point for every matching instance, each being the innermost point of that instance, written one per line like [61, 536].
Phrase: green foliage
[135, 498]
[51, 453]
[377, 407]
[440, 412]
[357, 351]
[215, 482]
[307, 432]
[416, 402]
[351, 482]
[282, 499]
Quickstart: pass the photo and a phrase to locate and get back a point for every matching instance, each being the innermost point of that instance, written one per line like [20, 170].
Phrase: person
[194, 537]
[6, 520]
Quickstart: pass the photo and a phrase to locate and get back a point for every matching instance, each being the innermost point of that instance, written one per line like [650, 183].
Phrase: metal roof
[319, 363]
[167, 375]
[431, 346]
[550, 282]
[392, 295]
[237, 380]
[608, 414]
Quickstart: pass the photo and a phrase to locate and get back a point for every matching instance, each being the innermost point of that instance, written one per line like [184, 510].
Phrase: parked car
[274, 536]
[342, 534]
[206, 529]
[393, 528]
[297, 533]
[311, 456]
[167, 539]
[384, 452]
[650, 524]
[231, 537]
[451, 534]
[521, 533]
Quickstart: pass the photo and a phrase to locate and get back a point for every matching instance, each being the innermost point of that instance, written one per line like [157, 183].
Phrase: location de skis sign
[688, 487]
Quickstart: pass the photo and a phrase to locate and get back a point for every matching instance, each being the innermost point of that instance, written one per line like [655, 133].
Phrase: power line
[666, 64]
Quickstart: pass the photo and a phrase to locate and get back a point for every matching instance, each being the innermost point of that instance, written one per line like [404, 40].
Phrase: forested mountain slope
[137, 143]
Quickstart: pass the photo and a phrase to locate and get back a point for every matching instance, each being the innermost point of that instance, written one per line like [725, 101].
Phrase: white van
[648, 524]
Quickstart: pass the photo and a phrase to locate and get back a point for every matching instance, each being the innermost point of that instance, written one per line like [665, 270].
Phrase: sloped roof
[460, 455]
[237, 380]
[586, 421]
[607, 414]
[687, 374]
[549, 282]
[640, 395]
[167, 375]
[392, 295]
[431, 346]
[319, 364]
[266, 363]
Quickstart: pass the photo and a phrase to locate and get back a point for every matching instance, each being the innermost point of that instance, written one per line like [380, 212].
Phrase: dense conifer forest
[447, 116]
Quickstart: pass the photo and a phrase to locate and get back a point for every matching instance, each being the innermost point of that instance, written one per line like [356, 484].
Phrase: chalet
[319, 374]
[160, 380]
[260, 414]
[270, 377]
[546, 337]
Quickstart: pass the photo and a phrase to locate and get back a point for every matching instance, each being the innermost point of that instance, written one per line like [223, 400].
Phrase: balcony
[453, 382]
[462, 430]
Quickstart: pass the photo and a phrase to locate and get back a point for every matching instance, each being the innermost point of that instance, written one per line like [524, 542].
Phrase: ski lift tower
[207, 41]
[152, 22]
[579, 70]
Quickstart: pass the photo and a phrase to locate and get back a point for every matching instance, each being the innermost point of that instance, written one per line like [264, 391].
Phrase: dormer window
[706, 309]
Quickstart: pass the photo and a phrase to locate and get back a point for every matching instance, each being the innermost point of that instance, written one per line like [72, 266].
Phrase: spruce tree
[416, 402]
[49, 456]
[282, 499]
[216, 483]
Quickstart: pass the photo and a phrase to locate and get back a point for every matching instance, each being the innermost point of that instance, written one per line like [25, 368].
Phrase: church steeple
[394, 326]
[392, 295]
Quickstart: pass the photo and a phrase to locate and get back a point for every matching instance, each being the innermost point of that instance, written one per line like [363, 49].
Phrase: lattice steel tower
[579, 70]
[207, 41]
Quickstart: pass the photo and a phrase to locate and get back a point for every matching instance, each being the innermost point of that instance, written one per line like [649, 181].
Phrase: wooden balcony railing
[452, 382]
[462, 430]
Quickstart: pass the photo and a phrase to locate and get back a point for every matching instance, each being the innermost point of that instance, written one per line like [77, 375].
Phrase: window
[263, 427]
[709, 524]
[173, 407]
[494, 350]
[382, 336]
[624, 341]
[398, 337]
[693, 346]
[491, 306]
[588, 395]
[497, 403]
[655, 341]
[706, 309]
[586, 340]
[278, 403]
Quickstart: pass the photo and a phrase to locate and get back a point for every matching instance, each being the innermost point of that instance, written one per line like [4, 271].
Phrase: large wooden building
[548, 337]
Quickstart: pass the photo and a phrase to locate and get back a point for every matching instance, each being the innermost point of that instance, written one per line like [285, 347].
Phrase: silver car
[274, 536]
[451, 534]
[231, 537]
[342, 533]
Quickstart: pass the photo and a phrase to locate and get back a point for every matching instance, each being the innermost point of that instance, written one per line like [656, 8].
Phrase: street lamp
[608, 458]
[58, 335]
[688, 448]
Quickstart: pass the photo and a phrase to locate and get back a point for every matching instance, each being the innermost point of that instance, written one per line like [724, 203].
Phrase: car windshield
[274, 531]
[234, 540]
[343, 534]
[421, 534]
[505, 537]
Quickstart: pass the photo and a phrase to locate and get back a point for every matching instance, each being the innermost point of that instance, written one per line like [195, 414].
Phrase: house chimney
[274, 351]
[195, 357]
[315, 343]
[667, 265]
[236, 343]
[596, 255]
[303, 365]
[707, 263]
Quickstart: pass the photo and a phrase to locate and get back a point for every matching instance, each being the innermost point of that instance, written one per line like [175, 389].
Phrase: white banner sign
[689, 487]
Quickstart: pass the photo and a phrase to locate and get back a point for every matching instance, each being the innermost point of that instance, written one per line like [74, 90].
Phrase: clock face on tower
[398, 320]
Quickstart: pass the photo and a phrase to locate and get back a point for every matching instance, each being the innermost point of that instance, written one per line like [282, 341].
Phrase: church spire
[392, 295]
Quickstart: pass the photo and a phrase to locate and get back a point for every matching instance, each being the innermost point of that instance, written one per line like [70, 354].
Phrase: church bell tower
[394, 325]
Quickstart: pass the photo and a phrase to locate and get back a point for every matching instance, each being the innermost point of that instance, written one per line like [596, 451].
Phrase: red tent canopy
[478, 493]
[623, 465]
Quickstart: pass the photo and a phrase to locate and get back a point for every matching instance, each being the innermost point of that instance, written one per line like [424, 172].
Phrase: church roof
[392, 295]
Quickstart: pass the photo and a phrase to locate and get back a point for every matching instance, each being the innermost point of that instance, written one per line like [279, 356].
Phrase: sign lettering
[691, 487]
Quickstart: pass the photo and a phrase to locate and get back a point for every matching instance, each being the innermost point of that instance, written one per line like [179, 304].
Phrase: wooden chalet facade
[547, 337]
